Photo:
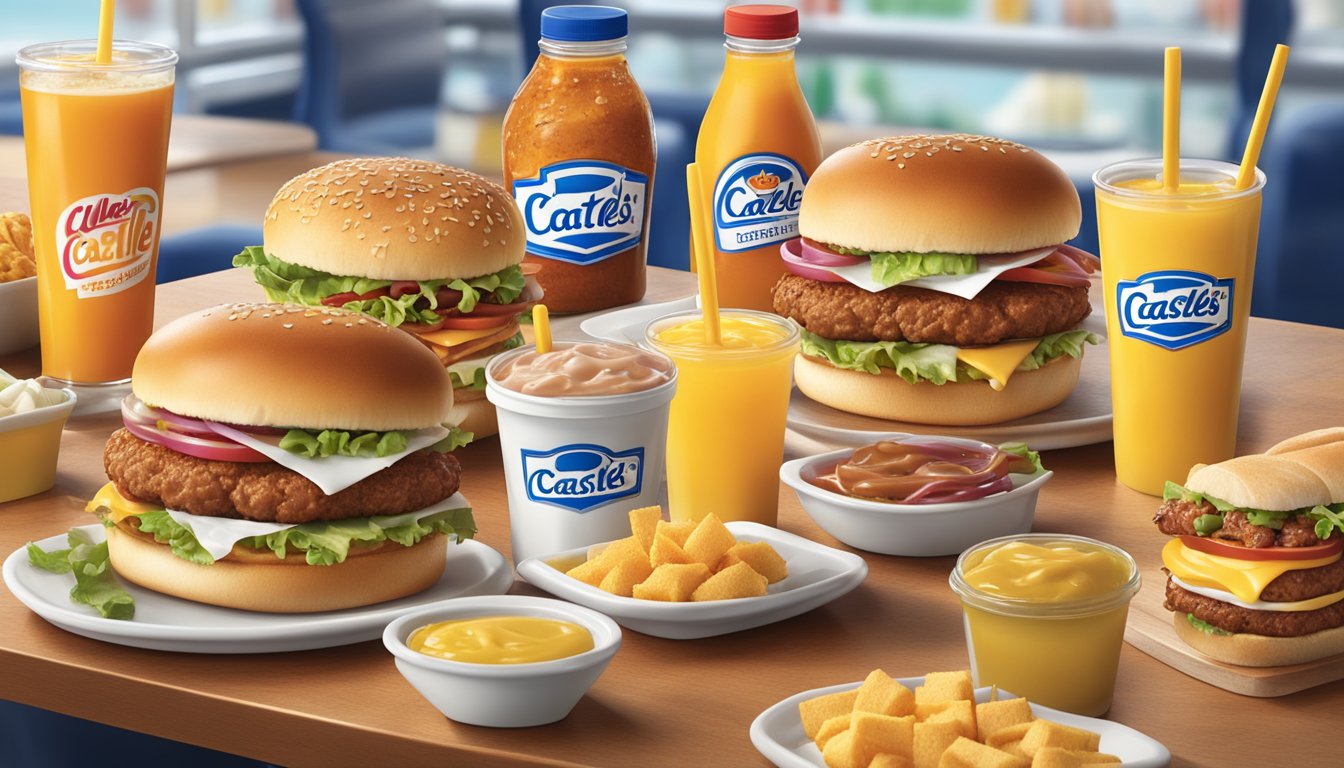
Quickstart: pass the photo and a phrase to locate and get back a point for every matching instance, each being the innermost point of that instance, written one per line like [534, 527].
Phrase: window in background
[228, 21]
[48, 20]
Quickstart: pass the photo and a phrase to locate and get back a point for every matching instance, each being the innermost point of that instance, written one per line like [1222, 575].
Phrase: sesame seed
[288, 325]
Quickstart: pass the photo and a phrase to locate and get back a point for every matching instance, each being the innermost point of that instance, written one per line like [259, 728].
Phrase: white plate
[778, 734]
[817, 575]
[626, 326]
[171, 624]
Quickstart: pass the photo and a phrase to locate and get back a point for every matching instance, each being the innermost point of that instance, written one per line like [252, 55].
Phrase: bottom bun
[280, 586]
[1247, 650]
[962, 403]
[473, 413]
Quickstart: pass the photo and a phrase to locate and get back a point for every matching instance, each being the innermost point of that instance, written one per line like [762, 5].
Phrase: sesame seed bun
[394, 218]
[279, 365]
[954, 194]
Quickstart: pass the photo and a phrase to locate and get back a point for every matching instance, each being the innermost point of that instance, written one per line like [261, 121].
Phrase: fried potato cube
[710, 541]
[628, 572]
[672, 583]
[596, 550]
[814, 712]
[839, 752]
[874, 734]
[762, 558]
[960, 713]
[1058, 757]
[731, 583]
[993, 715]
[883, 695]
[664, 551]
[678, 530]
[1009, 738]
[1044, 733]
[966, 753]
[930, 740]
[594, 570]
[591, 572]
[833, 727]
[945, 686]
[888, 760]
[644, 523]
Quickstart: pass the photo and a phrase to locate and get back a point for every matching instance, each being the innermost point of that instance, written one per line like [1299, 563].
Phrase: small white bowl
[913, 530]
[503, 695]
[18, 315]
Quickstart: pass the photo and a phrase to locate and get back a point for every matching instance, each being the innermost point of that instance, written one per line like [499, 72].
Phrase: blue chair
[1299, 270]
[1264, 24]
[372, 74]
[11, 114]
[208, 249]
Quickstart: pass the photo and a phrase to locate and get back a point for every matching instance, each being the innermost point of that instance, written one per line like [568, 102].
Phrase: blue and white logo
[1174, 308]
[582, 476]
[756, 202]
[582, 211]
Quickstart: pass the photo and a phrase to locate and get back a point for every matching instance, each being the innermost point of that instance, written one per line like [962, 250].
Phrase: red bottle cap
[761, 22]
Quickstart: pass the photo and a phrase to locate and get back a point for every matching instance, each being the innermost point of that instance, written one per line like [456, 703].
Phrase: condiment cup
[30, 443]
[18, 315]
[503, 695]
[912, 530]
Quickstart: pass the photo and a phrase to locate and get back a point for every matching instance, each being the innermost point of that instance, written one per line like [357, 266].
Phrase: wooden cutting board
[1150, 630]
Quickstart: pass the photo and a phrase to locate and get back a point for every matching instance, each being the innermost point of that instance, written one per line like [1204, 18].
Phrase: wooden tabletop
[661, 702]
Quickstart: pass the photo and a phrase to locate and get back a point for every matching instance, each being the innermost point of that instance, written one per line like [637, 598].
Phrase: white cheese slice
[1312, 604]
[217, 535]
[965, 286]
[332, 474]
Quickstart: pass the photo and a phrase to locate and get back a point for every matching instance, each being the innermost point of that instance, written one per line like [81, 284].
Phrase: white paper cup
[575, 466]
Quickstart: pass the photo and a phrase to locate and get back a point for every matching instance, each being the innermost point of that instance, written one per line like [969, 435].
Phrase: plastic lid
[761, 22]
[584, 23]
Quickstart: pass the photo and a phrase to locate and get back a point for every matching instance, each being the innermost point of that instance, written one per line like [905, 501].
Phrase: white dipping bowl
[503, 695]
[18, 315]
[914, 530]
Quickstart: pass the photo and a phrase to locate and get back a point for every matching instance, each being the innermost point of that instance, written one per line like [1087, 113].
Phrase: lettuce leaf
[1204, 626]
[328, 543]
[95, 585]
[895, 268]
[935, 363]
[477, 379]
[455, 439]
[1021, 449]
[1327, 518]
[178, 537]
[333, 442]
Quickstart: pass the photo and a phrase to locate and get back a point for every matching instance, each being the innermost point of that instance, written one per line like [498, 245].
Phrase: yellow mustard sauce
[1052, 573]
[501, 640]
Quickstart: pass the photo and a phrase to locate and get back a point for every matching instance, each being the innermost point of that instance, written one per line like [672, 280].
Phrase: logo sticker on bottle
[756, 202]
[582, 476]
[582, 211]
[1174, 308]
[106, 242]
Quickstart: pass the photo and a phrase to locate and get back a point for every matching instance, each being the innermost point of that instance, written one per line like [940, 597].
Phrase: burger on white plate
[283, 459]
[431, 249]
[932, 283]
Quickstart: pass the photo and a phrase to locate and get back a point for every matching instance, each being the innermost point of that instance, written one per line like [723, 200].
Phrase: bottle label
[756, 202]
[106, 241]
[582, 211]
[582, 476]
[1174, 308]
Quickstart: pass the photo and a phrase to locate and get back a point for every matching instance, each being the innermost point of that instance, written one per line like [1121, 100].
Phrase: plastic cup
[1176, 273]
[1061, 654]
[96, 137]
[725, 439]
[575, 466]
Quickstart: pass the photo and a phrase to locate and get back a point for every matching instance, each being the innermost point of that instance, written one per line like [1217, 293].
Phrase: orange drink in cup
[96, 136]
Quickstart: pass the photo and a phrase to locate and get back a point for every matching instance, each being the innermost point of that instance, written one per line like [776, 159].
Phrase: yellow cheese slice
[451, 337]
[1310, 604]
[999, 361]
[118, 507]
[1245, 579]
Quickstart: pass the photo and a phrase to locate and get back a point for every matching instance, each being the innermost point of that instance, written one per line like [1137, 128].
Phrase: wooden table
[661, 702]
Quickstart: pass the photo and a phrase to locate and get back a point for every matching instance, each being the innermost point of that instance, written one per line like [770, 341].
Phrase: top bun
[276, 365]
[954, 194]
[1301, 471]
[394, 218]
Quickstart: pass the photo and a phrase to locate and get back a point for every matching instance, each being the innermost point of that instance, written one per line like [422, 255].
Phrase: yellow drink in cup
[1176, 271]
[97, 142]
[725, 434]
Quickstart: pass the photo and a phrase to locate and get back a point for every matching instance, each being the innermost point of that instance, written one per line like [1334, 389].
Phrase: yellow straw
[541, 327]
[105, 14]
[704, 258]
[1171, 121]
[1246, 175]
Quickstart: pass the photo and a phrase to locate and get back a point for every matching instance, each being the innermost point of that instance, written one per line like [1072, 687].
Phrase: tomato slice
[1209, 546]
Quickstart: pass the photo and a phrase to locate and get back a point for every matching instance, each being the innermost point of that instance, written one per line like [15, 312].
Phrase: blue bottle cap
[584, 23]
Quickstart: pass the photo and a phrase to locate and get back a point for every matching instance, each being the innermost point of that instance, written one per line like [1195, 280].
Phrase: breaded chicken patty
[266, 491]
[1003, 310]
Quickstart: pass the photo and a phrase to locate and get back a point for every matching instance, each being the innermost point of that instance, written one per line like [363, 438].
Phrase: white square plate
[778, 733]
[817, 575]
